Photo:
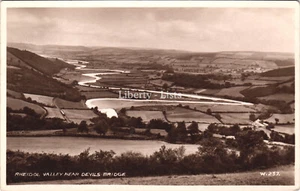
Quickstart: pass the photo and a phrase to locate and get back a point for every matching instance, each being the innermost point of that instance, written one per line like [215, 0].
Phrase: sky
[192, 29]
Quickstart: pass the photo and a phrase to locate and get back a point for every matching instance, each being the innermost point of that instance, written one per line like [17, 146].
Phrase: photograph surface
[150, 95]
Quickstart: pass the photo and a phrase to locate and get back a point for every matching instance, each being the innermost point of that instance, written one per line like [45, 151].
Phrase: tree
[208, 111]
[123, 111]
[82, 127]
[101, 127]
[193, 130]
[276, 120]
[252, 117]
[165, 86]
[234, 129]
[218, 116]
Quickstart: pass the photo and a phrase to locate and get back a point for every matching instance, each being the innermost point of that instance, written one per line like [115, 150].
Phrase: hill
[33, 78]
[39, 63]
[288, 71]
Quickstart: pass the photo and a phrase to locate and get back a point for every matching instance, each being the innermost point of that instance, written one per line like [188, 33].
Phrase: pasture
[288, 129]
[99, 94]
[235, 118]
[146, 115]
[53, 113]
[279, 96]
[233, 91]
[282, 118]
[69, 104]
[14, 94]
[17, 104]
[78, 115]
[46, 100]
[222, 108]
[187, 115]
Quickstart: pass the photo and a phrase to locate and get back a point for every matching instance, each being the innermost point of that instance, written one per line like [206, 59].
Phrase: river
[75, 145]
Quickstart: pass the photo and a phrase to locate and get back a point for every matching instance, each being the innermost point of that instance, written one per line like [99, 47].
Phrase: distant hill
[39, 63]
[288, 71]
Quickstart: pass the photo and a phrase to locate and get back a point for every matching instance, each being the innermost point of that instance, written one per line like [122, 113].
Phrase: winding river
[75, 145]
[111, 111]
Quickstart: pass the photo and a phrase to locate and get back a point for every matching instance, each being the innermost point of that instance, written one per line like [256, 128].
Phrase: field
[17, 104]
[15, 94]
[69, 104]
[181, 114]
[222, 108]
[46, 100]
[242, 178]
[235, 118]
[53, 112]
[99, 94]
[161, 82]
[279, 96]
[79, 115]
[289, 129]
[146, 115]
[234, 91]
[283, 118]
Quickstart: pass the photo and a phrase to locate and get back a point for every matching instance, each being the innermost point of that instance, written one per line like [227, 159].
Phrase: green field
[235, 118]
[14, 94]
[181, 114]
[17, 104]
[99, 94]
[222, 108]
[53, 113]
[78, 115]
[279, 96]
[283, 118]
[46, 100]
[233, 91]
[69, 104]
[146, 115]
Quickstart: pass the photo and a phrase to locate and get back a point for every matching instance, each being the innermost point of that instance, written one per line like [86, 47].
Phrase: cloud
[196, 29]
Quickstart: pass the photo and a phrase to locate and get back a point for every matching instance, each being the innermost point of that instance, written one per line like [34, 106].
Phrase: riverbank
[242, 178]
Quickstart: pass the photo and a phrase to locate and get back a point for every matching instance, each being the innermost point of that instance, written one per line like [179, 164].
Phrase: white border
[73, 4]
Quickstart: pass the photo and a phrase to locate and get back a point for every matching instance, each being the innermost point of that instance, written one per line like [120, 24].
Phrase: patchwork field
[77, 115]
[282, 118]
[69, 104]
[46, 100]
[234, 91]
[289, 129]
[53, 113]
[235, 118]
[222, 108]
[14, 94]
[181, 114]
[279, 96]
[17, 104]
[99, 94]
[146, 115]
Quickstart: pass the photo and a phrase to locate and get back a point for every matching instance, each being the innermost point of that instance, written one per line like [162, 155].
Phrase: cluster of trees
[197, 81]
[285, 138]
[212, 157]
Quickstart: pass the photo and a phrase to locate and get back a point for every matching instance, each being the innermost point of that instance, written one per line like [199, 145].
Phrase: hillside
[288, 71]
[30, 78]
[39, 63]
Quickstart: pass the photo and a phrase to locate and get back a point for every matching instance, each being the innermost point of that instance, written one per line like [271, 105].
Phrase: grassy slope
[289, 71]
[41, 64]
[244, 178]
[29, 81]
